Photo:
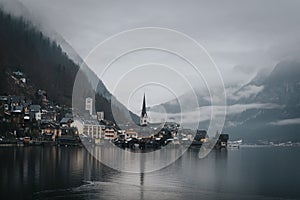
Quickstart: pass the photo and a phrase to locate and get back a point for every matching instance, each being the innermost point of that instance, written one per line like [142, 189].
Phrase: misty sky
[242, 37]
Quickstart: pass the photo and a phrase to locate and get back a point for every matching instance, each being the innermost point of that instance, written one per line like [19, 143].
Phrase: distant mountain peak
[286, 70]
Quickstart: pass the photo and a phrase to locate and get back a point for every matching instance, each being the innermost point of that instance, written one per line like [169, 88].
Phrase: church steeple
[143, 118]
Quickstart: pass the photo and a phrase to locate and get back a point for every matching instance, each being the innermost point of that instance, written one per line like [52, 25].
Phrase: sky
[241, 37]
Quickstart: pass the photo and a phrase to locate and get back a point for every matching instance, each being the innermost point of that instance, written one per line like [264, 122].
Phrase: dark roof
[102, 122]
[35, 108]
[17, 109]
[27, 103]
[45, 124]
[69, 115]
[3, 98]
[15, 99]
[65, 120]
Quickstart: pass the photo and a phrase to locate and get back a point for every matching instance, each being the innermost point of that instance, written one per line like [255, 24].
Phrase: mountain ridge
[266, 108]
[27, 49]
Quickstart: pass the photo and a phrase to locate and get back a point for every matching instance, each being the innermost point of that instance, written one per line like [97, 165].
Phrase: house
[92, 129]
[15, 100]
[222, 141]
[100, 116]
[49, 116]
[131, 134]
[3, 99]
[69, 131]
[50, 131]
[35, 112]
[20, 75]
[66, 122]
[201, 135]
[16, 109]
[68, 136]
[17, 115]
[110, 133]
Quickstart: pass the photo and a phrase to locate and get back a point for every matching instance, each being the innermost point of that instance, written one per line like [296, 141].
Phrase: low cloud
[246, 92]
[205, 113]
[286, 122]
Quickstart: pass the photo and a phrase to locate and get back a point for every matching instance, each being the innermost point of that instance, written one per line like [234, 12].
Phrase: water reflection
[135, 162]
[54, 172]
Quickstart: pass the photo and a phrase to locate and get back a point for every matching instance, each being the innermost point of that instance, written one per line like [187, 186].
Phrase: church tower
[143, 118]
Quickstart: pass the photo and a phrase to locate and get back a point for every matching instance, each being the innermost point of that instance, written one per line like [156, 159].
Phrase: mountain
[46, 66]
[266, 108]
[278, 106]
[26, 49]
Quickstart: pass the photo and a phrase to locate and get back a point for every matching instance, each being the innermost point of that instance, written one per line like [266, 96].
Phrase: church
[144, 116]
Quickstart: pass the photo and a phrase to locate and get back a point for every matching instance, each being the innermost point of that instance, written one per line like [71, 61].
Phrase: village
[42, 122]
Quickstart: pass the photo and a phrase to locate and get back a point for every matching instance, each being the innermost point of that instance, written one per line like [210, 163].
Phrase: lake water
[71, 172]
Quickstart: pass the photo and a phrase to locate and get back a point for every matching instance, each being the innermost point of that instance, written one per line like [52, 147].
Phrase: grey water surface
[72, 173]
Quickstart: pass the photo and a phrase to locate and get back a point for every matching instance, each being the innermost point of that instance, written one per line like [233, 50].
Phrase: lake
[71, 172]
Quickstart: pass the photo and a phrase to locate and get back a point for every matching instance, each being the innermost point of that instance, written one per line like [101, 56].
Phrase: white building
[38, 116]
[89, 105]
[100, 115]
[92, 130]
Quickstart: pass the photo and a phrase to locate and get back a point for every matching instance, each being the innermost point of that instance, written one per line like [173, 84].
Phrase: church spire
[143, 118]
[144, 107]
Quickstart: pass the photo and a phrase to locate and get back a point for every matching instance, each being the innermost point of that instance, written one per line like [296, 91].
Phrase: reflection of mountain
[267, 108]
[45, 65]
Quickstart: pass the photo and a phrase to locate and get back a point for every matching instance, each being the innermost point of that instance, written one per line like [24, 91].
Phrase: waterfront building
[92, 129]
[110, 133]
[131, 133]
[35, 112]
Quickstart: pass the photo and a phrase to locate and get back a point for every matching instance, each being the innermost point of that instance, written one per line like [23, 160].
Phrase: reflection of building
[89, 105]
[143, 118]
